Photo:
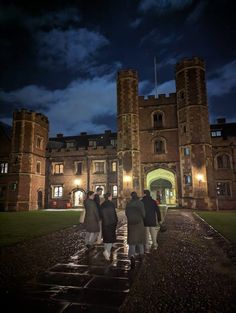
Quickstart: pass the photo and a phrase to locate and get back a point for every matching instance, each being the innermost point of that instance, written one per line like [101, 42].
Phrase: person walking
[151, 220]
[91, 220]
[97, 199]
[109, 223]
[135, 213]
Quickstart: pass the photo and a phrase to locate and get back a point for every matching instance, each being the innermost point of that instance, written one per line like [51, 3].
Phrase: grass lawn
[223, 222]
[20, 226]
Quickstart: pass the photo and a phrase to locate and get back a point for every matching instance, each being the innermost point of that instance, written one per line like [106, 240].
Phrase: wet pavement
[86, 283]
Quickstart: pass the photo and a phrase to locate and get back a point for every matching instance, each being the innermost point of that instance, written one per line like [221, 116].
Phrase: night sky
[61, 57]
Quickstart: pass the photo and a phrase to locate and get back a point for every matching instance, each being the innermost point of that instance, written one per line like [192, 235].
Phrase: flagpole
[155, 74]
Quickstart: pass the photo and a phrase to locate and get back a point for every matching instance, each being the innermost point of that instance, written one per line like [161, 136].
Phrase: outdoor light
[199, 178]
[77, 181]
[127, 179]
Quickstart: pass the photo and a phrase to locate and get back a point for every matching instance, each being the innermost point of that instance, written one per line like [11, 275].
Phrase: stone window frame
[162, 139]
[54, 165]
[39, 142]
[38, 169]
[4, 167]
[60, 191]
[114, 190]
[94, 166]
[228, 182]
[111, 166]
[158, 113]
[188, 180]
[216, 161]
[186, 151]
[100, 185]
[76, 167]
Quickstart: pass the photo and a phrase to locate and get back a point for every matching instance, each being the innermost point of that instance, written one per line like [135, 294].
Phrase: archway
[40, 199]
[162, 185]
[78, 197]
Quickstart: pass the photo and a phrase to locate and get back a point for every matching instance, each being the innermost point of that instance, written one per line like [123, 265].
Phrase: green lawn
[223, 222]
[20, 226]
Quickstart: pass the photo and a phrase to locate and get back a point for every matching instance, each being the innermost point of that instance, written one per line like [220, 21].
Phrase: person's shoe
[106, 255]
[155, 247]
[132, 262]
[98, 242]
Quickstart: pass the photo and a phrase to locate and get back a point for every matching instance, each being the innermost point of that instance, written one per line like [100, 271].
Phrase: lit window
[92, 143]
[159, 146]
[78, 168]
[114, 191]
[157, 120]
[100, 186]
[113, 166]
[186, 151]
[223, 161]
[216, 133]
[188, 179]
[58, 168]
[38, 167]
[99, 167]
[223, 188]
[70, 145]
[4, 168]
[114, 142]
[57, 191]
[39, 142]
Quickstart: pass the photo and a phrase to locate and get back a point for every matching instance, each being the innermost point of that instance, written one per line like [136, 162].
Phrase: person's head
[146, 193]
[90, 195]
[99, 191]
[108, 196]
[134, 195]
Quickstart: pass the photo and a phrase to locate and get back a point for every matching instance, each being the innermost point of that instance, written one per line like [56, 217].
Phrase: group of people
[143, 218]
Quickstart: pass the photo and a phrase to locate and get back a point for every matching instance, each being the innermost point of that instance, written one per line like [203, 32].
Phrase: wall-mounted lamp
[127, 180]
[77, 182]
[199, 178]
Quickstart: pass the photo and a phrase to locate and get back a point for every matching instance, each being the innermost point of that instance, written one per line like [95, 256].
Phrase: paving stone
[69, 268]
[65, 279]
[109, 283]
[77, 308]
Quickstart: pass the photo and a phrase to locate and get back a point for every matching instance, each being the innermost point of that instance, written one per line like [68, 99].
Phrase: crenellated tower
[27, 161]
[195, 147]
[128, 149]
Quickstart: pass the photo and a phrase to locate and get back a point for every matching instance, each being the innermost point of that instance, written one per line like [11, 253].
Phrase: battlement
[29, 115]
[127, 73]
[160, 100]
[193, 62]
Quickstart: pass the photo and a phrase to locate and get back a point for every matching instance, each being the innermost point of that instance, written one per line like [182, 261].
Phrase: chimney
[59, 135]
[108, 131]
[83, 134]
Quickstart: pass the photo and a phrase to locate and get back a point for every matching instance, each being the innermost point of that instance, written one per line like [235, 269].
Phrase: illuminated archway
[162, 182]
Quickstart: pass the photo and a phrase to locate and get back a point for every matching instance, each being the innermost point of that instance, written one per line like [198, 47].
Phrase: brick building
[163, 143]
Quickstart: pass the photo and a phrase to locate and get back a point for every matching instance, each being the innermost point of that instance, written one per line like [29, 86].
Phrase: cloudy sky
[61, 57]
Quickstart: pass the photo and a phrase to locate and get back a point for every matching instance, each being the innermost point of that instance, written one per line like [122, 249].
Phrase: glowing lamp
[77, 181]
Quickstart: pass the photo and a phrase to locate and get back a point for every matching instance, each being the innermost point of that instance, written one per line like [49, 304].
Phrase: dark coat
[91, 220]
[152, 212]
[97, 201]
[135, 213]
[109, 221]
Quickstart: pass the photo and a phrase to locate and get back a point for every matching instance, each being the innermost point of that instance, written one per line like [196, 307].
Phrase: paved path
[86, 283]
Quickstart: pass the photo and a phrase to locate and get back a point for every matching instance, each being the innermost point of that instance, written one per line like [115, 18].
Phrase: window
[92, 143]
[186, 151]
[223, 161]
[114, 142]
[3, 190]
[38, 167]
[39, 142]
[188, 179]
[57, 191]
[58, 168]
[100, 186]
[4, 168]
[70, 145]
[99, 167]
[113, 166]
[223, 189]
[78, 168]
[114, 191]
[159, 146]
[157, 120]
[216, 133]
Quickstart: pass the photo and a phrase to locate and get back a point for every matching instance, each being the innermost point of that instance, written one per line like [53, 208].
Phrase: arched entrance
[78, 196]
[162, 185]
